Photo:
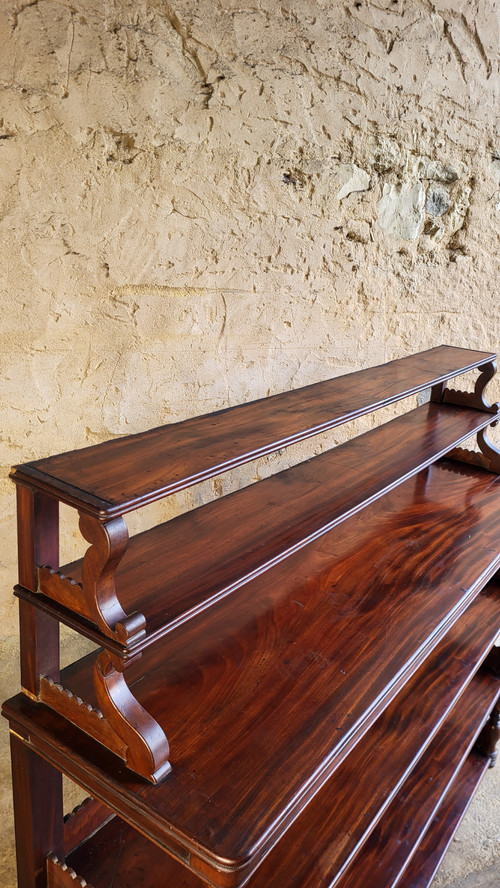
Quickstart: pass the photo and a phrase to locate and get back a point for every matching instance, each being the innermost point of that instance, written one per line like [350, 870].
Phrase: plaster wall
[204, 202]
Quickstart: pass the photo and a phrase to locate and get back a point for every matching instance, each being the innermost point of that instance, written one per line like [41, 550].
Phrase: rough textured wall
[201, 202]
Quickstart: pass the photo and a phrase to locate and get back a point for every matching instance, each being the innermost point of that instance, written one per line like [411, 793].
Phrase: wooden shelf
[332, 834]
[390, 847]
[258, 726]
[317, 648]
[431, 850]
[159, 574]
[127, 473]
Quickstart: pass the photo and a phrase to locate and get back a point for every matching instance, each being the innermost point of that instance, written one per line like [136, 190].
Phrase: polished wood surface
[123, 474]
[160, 575]
[431, 850]
[391, 845]
[308, 854]
[264, 695]
[317, 648]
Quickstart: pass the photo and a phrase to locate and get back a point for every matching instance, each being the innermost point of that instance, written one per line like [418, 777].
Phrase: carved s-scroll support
[487, 741]
[147, 748]
[95, 598]
[489, 451]
[109, 541]
[475, 399]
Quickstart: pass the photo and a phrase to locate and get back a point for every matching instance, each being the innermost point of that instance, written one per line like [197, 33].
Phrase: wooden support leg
[38, 813]
[38, 543]
[490, 735]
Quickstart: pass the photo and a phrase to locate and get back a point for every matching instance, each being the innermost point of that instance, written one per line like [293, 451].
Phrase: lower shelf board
[117, 856]
[432, 848]
[440, 777]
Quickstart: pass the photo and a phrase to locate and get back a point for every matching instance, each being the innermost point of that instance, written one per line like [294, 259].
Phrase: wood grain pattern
[388, 851]
[119, 857]
[160, 572]
[431, 850]
[332, 829]
[253, 694]
[260, 681]
[311, 645]
[37, 792]
[126, 473]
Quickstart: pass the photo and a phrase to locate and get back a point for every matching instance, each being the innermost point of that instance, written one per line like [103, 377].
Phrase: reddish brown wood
[89, 718]
[37, 790]
[83, 822]
[432, 848]
[94, 598]
[124, 474]
[160, 573]
[271, 667]
[127, 859]
[489, 451]
[388, 851]
[475, 399]
[317, 628]
[59, 875]
[146, 745]
[253, 694]
[489, 737]
[308, 853]
[38, 542]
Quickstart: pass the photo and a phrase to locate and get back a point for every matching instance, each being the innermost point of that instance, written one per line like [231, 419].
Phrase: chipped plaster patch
[401, 209]
[353, 179]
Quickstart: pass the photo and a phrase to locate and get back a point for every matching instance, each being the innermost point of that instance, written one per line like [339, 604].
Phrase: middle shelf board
[241, 535]
[263, 695]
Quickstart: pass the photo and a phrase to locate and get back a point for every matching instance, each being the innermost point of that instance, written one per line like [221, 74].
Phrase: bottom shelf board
[117, 856]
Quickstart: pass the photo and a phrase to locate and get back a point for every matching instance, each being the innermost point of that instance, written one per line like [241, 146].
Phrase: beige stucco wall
[202, 202]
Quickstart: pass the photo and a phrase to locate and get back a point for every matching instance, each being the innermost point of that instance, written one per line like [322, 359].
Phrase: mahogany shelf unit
[318, 648]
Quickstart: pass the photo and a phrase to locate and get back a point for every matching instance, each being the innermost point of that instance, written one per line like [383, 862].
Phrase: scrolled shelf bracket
[147, 748]
[476, 399]
[95, 598]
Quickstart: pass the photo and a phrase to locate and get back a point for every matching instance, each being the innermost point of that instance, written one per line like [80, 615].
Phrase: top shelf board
[124, 474]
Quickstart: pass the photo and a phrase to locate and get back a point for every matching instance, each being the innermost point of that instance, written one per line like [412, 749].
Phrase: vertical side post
[38, 543]
[487, 741]
[38, 813]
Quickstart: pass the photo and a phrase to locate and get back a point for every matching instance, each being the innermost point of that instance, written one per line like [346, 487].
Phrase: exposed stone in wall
[353, 179]
[401, 209]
